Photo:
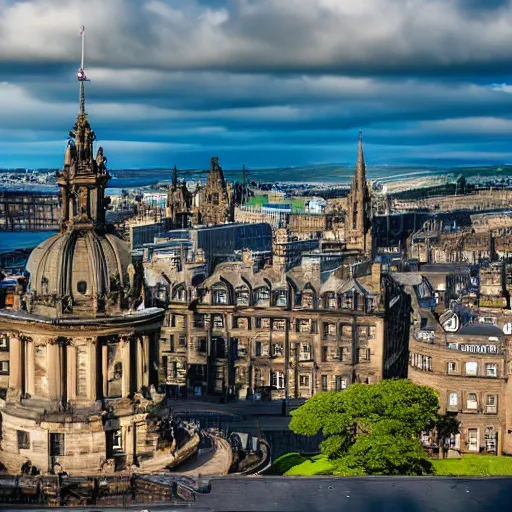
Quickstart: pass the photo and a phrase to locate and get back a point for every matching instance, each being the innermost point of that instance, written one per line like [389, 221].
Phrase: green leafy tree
[372, 429]
[446, 426]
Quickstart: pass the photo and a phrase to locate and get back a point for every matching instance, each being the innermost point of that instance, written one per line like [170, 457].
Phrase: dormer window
[220, 296]
[261, 296]
[281, 298]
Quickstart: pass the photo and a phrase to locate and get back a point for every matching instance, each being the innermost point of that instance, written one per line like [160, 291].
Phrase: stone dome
[78, 264]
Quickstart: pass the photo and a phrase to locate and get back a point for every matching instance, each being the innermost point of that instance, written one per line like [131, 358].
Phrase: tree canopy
[372, 429]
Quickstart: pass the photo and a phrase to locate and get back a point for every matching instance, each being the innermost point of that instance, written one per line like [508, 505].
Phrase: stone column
[92, 370]
[145, 360]
[54, 370]
[72, 369]
[29, 368]
[139, 364]
[125, 352]
[104, 369]
[15, 372]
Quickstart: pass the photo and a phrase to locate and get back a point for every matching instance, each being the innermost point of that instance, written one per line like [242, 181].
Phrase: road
[361, 494]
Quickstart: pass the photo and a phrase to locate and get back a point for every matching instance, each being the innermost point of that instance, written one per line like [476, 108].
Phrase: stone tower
[216, 199]
[80, 367]
[358, 223]
[179, 202]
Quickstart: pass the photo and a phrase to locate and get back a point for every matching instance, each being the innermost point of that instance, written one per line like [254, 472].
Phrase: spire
[81, 74]
[360, 166]
[175, 177]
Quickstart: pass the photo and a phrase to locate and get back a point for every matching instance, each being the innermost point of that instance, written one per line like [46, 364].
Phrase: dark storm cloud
[260, 78]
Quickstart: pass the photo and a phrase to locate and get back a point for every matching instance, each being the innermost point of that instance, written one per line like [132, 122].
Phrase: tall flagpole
[81, 78]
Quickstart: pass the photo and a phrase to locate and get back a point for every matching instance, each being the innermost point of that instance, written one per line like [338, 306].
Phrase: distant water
[12, 240]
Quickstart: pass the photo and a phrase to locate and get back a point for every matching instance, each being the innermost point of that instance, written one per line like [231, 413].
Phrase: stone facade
[247, 332]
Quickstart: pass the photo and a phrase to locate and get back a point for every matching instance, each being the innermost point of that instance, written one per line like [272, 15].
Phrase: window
[218, 322]
[4, 367]
[472, 402]
[262, 295]
[304, 380]
[117, 440]
[118, 371]
[277, 380]
[4, 343]
[182, 341]
[23, 440]
[329, 330]
[346, 330]
[362, 331]
[491, 404]
[364, 354]
[426, 364]
[473, 439]
[242, 298]
[258, 379]
[201, 345]
[341, 354]
[258, 348]
[330, 301]
[281, 298]
[305, 352]
[471, 368]
[341, 383]
[324, 383]
[452, 367]
[44, 286]
[346, 301]
[81, 287]
[314, 326]
[453, 400]
[172, 348]
[279, 324]
[372, 330]
[324, 354]
[56, 445]
[277, 349]
[491, 370]
[220, 296]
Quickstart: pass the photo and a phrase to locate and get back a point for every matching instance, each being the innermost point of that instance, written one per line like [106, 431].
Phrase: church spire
[360, 166]
[175, 177]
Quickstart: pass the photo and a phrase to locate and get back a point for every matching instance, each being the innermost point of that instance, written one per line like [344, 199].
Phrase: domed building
[82, 348]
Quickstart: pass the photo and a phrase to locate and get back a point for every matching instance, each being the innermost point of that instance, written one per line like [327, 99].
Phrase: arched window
[81, 287]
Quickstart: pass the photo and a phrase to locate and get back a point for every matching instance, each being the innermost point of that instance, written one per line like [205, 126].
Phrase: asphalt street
[361, 494]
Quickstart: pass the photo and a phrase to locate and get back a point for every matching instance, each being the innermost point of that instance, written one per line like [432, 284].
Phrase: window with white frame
[452, 367]
[279, 324]
[491, 370]
[364, 354]
[277, 379]
[471, 368]
[453, 400]
[491, 404]
[472, 402]
[341, 383]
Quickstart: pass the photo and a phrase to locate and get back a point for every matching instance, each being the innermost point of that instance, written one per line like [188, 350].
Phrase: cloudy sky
[260, 82]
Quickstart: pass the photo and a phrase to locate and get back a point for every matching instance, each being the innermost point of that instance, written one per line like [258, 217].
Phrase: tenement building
[252, 332]
[468, 363]
[81, 352]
